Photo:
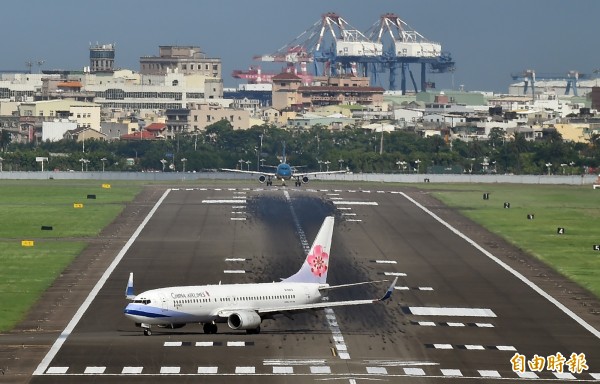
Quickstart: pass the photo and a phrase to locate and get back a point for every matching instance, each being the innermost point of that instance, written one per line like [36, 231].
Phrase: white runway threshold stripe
[508, 268]
[225, 201]
[436, 311]
[355, 202]
[88, 301]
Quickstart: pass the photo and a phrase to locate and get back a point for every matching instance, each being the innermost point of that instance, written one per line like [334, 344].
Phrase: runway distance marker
[27, 243]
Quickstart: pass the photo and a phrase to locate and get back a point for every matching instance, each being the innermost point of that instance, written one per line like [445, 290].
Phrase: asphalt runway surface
[456, 315]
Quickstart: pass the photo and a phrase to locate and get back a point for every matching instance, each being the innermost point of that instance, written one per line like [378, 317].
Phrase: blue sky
[488, 39]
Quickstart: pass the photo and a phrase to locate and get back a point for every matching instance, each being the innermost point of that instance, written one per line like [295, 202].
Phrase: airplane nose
[129, 311]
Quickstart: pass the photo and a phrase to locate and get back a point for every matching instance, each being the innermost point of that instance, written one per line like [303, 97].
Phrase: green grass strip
[574, 208]
[28, 205]
[27, 272]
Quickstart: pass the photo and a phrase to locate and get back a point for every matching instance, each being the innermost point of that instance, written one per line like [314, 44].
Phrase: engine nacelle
[305, 179]
[262, 179]
[244, 320]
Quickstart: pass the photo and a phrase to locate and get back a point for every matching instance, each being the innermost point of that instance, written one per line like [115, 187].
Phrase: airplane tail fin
[283, 154]
[316, 265]
[129, 290]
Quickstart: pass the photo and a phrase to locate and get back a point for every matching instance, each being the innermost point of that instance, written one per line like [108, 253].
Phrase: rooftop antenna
[29, 64]
[40, 63]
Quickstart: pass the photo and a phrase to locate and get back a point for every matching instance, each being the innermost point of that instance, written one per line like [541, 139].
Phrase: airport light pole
[184, 160]
[103, 160]
[241, 161]
[549, 165]
[417, 162]
[163, 162]
[341, 161]
[248, 162]
[259, 153]
[320, 166]
[327, 164]
[1, 160]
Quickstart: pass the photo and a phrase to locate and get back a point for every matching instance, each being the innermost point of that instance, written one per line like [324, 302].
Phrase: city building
[203, 115]
[289, 93]
[82, 134]
[82, 113]
[187, 60]
[102, 58]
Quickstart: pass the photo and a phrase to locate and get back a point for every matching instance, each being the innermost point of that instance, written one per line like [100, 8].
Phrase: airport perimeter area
[477, 314]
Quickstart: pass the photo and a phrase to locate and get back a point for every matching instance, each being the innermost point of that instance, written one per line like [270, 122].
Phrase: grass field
[26, 206]
[574, 208]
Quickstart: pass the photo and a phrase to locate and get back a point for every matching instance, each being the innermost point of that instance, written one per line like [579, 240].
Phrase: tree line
[316, 148]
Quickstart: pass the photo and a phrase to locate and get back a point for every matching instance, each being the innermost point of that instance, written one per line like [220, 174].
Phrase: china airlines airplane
[244, 306]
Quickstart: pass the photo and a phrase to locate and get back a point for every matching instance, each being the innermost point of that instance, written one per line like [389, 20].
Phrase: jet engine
[262, 179]
[305, 179]
[244, 320]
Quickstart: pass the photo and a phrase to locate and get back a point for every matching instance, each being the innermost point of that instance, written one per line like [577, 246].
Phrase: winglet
[389, 291]
[129, 290]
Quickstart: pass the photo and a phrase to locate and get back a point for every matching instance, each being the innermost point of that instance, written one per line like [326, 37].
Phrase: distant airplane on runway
[283, 172]
[244, 306]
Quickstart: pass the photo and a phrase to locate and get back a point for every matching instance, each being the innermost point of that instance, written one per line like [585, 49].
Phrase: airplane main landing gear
[147, 332]
[254, 331]
[210, 328]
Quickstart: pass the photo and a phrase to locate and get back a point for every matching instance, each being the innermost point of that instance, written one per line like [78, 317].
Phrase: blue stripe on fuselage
[135, 312]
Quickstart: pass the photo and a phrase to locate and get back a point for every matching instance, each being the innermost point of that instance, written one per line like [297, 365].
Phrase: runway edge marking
[507, 267]
[88, 301]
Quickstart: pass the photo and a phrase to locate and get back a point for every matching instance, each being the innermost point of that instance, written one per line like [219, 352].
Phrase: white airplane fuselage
[243, 306]
[203, 303]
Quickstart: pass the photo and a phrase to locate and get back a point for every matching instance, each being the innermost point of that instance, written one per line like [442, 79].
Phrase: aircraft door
[164, 304]
[307, 293]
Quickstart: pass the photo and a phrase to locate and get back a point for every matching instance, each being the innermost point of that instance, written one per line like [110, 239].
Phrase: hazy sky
[488, 39]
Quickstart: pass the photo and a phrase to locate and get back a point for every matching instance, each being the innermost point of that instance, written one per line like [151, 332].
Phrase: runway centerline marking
[507, 267]
[340, 345]
[92, 295]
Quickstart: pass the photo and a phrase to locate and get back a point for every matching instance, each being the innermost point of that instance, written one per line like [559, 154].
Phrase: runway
[456, 315]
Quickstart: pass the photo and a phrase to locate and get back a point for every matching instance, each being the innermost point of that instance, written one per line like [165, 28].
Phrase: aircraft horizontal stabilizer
[330, 287]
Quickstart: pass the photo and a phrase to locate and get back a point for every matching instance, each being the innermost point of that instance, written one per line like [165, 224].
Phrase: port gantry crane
[335, 48]
[407, 46]
[331, 44]
[529, 77]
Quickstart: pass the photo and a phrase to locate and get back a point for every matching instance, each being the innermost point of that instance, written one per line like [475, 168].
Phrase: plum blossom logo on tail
[318, 261]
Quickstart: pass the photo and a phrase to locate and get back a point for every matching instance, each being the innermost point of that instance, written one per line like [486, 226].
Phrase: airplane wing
[326, 304]
[300, 174]
[272, 174]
